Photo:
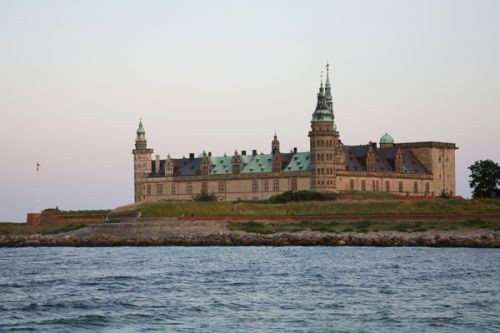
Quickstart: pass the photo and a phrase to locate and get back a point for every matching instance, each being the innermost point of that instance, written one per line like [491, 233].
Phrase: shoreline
[171, 232]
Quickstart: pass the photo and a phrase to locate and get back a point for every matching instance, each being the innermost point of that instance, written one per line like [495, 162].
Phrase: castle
[412, 168]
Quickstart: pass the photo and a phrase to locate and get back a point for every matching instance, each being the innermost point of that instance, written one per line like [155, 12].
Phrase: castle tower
[142, 161]
[324, 142]
[275, 151]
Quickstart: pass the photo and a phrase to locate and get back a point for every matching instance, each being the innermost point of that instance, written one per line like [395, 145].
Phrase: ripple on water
[250, 289]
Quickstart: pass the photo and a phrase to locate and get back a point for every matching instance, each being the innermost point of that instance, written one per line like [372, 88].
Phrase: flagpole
[37, 187]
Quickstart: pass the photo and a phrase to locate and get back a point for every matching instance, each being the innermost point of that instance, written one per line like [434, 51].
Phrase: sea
[249, 289]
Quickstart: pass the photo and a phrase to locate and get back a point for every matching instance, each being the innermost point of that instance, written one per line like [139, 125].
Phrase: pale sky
[75, 76]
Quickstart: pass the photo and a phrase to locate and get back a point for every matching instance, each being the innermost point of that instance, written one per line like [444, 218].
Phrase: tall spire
[328, 89]
[321, 89]
[322, 111]
[327, 74]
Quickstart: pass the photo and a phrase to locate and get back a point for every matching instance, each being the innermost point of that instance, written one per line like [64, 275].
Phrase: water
[242, 289]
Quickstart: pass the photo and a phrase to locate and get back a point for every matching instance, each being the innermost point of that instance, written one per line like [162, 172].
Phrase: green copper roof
[261, 163]
[220, 165]
[386, 138]
[257, 163]
[299, 162]
[141, 130]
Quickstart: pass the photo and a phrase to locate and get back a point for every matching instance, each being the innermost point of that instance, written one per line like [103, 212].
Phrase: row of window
[375, 186]
[321, 171]
[322, 143]
[322, 157]
[222, 186]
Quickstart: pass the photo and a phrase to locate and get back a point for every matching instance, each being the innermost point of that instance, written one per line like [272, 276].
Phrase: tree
[485, 179]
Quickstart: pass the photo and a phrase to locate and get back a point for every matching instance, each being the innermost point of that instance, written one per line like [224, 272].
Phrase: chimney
[191, 156]
[254, 152]
[295, 150]
[374, 145]
[209, 154]
[244, 152]
[157, 164]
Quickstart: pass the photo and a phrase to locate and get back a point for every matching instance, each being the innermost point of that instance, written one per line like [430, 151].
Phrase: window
[255, 185]
[159, 188]
[376, 185]
[400, 186]
[222, 186]
[148, 190]
[415, 187]
[351, 184]
[363, 185]
[373, 185]
[387, 186]
[173, 188]
[266, 185]
[427, 189]
[204, 187]
[189, 188]
[276, 185]
[294, 184]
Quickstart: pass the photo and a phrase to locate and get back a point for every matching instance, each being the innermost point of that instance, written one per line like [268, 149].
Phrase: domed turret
[141, 130]
[386, 141]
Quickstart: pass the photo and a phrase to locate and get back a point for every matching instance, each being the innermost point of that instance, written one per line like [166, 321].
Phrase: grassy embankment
[260, 209]
[24, 229]
[361, 226]
[83, 214]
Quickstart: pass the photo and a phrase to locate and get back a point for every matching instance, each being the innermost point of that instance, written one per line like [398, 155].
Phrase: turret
[205, 164]
[399, 162]
[275, 151]
[370, 157]
[386, 141]
[142, 162]
[236, 163]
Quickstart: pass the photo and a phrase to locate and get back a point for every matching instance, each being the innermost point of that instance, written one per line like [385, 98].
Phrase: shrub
[206, 197]
[444, 195]
[301, 196]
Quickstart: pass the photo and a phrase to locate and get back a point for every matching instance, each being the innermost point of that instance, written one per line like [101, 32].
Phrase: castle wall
[401, 184]
[262, 186]
[439, 159]
[225, 187]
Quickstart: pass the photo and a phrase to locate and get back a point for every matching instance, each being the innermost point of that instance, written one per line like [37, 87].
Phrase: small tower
[399, 162]
[370, 157]
[169, 167]
[236, 163]
[142, 162]
[324, 142]
[275, 151]
[205, 164]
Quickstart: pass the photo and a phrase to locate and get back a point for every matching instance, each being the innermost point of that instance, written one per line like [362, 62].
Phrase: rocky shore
[175, 233]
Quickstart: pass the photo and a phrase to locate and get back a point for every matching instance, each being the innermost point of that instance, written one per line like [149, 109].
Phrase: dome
[386, 139]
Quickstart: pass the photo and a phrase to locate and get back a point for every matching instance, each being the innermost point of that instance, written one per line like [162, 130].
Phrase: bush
[301, 196]
[444, 195]
[205, 197]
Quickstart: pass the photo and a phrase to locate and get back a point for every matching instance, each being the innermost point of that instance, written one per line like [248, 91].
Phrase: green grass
[358, 195]
[360, 226]
[24, 229]
[248, 209]
[82, 214]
